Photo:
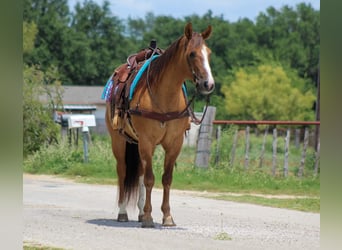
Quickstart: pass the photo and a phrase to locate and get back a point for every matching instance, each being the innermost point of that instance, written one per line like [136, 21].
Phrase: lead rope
[194, 119]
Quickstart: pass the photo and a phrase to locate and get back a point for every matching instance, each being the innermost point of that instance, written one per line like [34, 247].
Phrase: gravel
[62, 213]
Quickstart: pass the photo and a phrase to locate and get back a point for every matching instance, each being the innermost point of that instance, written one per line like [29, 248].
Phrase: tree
[293, 37]
[268, 93]
[98, 44]
[39, 127]
[52, 18]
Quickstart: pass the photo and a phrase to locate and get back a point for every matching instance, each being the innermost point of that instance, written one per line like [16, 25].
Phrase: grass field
[67, 161]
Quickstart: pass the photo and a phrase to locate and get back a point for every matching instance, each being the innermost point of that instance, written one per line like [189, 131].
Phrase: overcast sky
[231, 10]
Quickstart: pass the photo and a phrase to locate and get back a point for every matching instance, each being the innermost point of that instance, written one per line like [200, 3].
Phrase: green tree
[97, 45]
[268, 93]
[293, 37]
[39, 127]
[52, 18]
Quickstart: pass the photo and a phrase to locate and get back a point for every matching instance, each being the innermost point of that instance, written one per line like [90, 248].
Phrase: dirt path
[61, 213]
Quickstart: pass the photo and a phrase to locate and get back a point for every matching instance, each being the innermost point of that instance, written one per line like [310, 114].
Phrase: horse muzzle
[205, 87]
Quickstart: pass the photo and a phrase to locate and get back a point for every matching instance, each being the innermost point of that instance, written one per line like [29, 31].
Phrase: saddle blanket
[106, 94]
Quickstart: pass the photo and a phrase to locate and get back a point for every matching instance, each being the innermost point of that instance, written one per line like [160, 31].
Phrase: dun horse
[156, 114]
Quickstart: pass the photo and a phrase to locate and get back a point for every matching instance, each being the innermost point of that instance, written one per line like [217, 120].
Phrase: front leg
[149, 182]
[172, 150]
[146, 152]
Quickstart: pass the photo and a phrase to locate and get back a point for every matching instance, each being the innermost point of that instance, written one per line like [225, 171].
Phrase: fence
[304, 140]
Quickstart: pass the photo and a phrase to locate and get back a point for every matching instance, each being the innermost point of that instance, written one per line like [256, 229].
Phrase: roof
[85, 95]
[80, 95]
[79, 107]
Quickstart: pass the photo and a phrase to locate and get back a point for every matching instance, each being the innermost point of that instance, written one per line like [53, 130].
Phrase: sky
[231, 10]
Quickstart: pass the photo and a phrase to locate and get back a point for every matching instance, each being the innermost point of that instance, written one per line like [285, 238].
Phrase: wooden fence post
[305, 145]
[286, 157]
[263, 147]
[247, 148]
[218, 137]
[274, 156]
[234, 148]
[297, 137]
[204, 139]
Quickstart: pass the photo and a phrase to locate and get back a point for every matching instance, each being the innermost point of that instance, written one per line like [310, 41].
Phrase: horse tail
[131, 181]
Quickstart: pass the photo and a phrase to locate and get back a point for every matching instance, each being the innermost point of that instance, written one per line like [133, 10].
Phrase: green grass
[35, 246]
[301, 204]
[67, 161]
[41, 248]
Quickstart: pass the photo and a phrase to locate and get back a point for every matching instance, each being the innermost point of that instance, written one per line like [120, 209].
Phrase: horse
[157, 115]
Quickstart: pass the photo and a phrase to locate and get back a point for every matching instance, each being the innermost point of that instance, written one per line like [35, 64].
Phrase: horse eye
[192, 54]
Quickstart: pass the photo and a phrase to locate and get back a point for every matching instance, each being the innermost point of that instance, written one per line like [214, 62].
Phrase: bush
[39, 127]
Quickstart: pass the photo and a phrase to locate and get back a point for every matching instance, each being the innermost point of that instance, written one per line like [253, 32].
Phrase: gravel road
[61, 213]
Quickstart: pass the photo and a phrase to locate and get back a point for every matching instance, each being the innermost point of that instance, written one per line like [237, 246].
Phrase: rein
[194, 119]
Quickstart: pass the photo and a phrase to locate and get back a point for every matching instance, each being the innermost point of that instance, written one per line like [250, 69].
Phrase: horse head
[198, 55]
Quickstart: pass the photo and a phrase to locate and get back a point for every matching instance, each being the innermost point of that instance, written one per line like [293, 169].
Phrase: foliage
[91, 41]
[95, 45]
[67, 159]
[267, 93]
[29, 33]
[293, 36]
[51, 18]
[39, 128]
[86, 44]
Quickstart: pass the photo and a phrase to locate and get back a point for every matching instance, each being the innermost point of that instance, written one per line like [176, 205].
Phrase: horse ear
[206, 34]
[188, 31]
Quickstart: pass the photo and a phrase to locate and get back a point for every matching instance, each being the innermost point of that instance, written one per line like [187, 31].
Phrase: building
[83, 100]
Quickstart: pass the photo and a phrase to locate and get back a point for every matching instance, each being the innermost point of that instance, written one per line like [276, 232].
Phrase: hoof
[122, 218]
[140, 218]
[168, 222]
[147, 223]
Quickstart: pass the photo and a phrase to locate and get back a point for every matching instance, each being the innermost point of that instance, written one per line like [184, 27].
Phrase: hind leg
[122, 201]
[119, 148]
[141, 199]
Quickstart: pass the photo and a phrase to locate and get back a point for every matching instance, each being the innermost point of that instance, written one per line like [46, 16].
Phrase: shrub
[39, 127]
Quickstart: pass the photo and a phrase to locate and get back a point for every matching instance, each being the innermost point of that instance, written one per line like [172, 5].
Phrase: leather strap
[162, 117]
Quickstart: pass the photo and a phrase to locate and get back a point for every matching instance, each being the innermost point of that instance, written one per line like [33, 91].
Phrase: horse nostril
[206, 85]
